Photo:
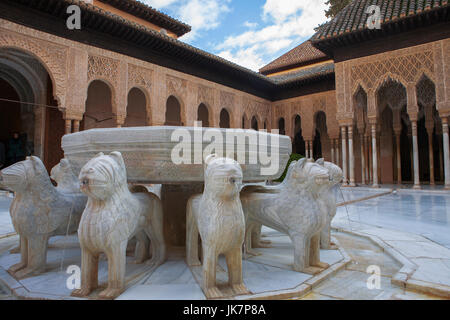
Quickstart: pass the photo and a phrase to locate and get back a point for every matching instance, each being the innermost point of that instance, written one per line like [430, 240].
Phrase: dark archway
[98, 112]
[298, 145]
[173, 112]
[28, 107]
[282, 126]
[224, 119]
[254, 123]
[203, 115]
[136, 109]
[321, 135]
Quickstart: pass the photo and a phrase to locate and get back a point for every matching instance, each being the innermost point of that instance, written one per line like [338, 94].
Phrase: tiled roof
[300, 55]
[143, 11]
[353, 18]
[305, 74]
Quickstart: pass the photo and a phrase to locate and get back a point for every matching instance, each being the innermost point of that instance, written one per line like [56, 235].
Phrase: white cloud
[158, 4]
[287, 21]
[250, 25]
[201, 15]
[247, 57]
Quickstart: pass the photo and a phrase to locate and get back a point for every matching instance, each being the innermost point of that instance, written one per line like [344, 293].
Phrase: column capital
[71, 114]
[413, 115]
[444, 120]
[350, 131]
[120, 119]
[372, 120]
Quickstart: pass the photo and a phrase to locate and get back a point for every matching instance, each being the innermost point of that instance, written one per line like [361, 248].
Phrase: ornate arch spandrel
[177, 87]
[141, 78]
[53, 57]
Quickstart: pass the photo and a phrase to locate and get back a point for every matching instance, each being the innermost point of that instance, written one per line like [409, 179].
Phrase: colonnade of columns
[72, 124]
[369, 153]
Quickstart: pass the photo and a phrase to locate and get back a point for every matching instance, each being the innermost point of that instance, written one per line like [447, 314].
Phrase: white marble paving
[421, 213]
[415, 224]
[6, 226]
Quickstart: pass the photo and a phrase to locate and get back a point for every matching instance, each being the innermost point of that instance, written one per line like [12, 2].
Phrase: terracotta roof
[305, 74]
[353, 18]
[301, 55]
[143, 11]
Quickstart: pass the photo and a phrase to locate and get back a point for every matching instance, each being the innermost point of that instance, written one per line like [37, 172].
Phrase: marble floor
[6, 226]
[424, 213]
[414, 224]
[351, 283]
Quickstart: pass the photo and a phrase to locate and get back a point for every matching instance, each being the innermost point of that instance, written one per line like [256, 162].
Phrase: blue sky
[248, 32]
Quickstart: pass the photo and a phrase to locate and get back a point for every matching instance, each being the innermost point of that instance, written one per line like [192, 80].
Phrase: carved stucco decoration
[139, 77]
[176, 87]
[205, 95]
[392, 93]
[256, 109]
[103, 68]
[426, 92]
[227, 100]
[52, 56]
[408, 68]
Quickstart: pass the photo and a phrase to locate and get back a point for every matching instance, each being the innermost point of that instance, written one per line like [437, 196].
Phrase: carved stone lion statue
[217, 215]
[114, 215]
[292, 208]
[67, 181]
[39, 211]
[328, 197]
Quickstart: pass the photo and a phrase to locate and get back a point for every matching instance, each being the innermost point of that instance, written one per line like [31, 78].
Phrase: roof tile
[300, 55]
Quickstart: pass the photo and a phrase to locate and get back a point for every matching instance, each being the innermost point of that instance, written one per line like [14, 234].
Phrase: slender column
[368, 170]
[367, 141]
[307, 149]
[68, 123]
[332, 150]
[446, 152]
[338, 158]
[76, 125]
[344, 154]
[311, 150]
[441, 164]
[351, 154]
[374, 157]
[431, 156]
[399, 157]
[363, 159]
[415, 154]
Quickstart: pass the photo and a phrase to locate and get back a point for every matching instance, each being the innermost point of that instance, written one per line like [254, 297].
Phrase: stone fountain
[174, 158]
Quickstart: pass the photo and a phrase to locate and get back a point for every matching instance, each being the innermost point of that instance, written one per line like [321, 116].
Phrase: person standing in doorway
[16, 150]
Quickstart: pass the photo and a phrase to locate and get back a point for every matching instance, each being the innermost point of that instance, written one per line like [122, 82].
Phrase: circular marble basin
[171, 155]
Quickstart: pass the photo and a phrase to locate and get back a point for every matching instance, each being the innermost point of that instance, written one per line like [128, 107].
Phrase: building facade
[376, 102]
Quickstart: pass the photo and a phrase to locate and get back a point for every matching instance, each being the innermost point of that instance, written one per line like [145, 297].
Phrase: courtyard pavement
[6, 226]
[410, 228]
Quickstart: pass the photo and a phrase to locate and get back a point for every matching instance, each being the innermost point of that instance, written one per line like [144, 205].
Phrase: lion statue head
[65, 178]
[334, 171]
[103, 176]
[223, 176]
[307, 174]
[19, 176]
